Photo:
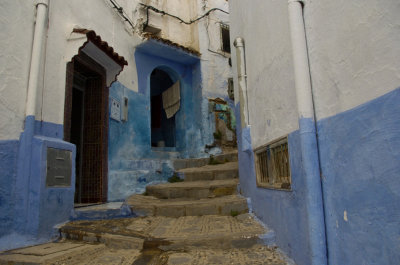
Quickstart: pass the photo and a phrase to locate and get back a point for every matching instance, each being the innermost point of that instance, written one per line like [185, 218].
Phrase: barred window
[272, 165]
[225, 40]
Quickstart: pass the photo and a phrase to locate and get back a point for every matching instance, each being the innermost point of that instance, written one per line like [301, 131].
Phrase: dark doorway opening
[162, 128]
[86, 126]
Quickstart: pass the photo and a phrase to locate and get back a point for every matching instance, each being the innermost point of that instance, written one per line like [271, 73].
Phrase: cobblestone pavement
[192, 222]
[199, 240]
[72, 253]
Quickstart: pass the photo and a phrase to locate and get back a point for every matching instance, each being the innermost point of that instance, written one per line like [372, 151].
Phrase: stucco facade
[352, 53]
[115, 44]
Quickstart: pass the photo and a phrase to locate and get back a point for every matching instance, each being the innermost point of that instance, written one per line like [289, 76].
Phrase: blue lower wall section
[49, 129]
[29, 209]
[359, 152]
[8, 165]
[360, 161]
[283, 211]
[48, 206]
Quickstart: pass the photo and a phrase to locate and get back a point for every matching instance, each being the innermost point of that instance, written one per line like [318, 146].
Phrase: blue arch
[171, 72]
[179, 66]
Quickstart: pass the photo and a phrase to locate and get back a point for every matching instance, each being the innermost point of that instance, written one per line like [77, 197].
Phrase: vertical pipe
[38, 38]
[23, 180]
[308, 137]
[242, 80]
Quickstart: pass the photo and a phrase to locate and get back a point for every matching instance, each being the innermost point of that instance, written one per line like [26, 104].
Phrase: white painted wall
[354, 50]
[171, 28]
[16, 20]
[61, 47]
[214, 62]
[270, 79]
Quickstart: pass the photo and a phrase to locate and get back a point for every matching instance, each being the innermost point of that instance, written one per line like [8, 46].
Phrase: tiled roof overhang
[171, 43]
[102, 45]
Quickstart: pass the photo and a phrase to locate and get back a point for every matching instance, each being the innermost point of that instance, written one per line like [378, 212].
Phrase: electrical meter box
[59, 167]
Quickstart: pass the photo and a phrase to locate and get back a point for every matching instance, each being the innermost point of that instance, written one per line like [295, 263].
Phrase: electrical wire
[152, 8]
[122, 13]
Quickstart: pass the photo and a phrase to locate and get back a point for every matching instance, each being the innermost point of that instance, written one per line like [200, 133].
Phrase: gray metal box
[59, 167]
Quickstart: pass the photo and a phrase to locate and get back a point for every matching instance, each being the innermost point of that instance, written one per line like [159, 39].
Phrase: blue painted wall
[360, 161]
[359, 157]
[29, 208]
[8, 163]
[133, 164]
[48, 206]
[283, 211]
[187, 126]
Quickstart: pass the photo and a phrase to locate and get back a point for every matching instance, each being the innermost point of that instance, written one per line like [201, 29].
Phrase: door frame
[85, 62]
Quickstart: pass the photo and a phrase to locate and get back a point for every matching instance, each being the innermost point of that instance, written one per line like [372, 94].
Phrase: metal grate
[272, 165]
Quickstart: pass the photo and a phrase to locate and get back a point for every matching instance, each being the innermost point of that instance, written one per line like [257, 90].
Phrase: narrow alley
[199, 219]
[200, 132]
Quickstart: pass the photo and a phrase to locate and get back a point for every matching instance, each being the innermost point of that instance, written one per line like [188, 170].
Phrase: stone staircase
[206, 190]
[200, 220]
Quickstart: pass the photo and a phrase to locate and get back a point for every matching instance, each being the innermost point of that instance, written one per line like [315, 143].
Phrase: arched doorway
[163, 128]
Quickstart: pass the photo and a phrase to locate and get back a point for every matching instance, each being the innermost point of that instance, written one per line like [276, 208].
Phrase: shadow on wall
[283, 211]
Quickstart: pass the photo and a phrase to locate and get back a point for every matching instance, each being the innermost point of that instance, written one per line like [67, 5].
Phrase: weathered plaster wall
[273, 113]
[16, 19]
[32, 208]
[47, 206]
[133, 163]
[26, 198]
[171, 28]
[283, 211]
[214, 62]
[61, 47]
[8, 162]
[270, 79]
[354, 50]
[361, 187]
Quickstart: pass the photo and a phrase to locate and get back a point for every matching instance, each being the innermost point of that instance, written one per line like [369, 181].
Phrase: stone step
[166, 233]
[151, 206]
[94, 254]
[210, 172]
[101, 211]
[193, 189]
[207, 239]
[71, 253]
[199, 162]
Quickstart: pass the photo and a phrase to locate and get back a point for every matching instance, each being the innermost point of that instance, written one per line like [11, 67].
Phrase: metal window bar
[272, 165]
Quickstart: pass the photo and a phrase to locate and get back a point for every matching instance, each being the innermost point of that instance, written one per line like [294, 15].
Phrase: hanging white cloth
[172, 99]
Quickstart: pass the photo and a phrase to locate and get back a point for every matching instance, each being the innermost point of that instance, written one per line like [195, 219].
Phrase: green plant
[234, 213]
[174, 179]
[218, 135]
[213, 161]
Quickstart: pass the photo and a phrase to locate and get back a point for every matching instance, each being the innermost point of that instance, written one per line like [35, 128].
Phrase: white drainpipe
[38, 38]
[242, 80]
[308, 135]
